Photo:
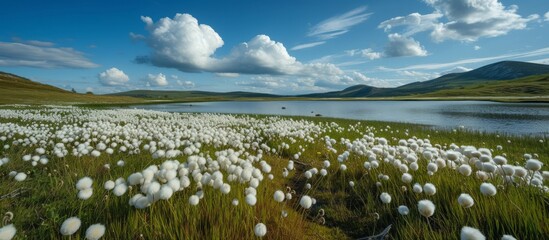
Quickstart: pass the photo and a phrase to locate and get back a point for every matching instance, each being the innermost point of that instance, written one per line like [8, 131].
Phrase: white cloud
[157, 80]
[476, 47]
[339, 25]
[400, 46]
[184, 44]
[458, 69]
[414, 23]
[186, 84]
[113, 77]
[433, 66]
[467, 20]
[181, 43]
[41, 55]
[367, 53]
[228, 75]
[307, 45]
[546, 16]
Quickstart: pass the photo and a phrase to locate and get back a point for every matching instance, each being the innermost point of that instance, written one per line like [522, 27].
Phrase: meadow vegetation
[70, 172]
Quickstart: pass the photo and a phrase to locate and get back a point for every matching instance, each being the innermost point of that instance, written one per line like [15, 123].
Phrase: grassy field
[351, 210]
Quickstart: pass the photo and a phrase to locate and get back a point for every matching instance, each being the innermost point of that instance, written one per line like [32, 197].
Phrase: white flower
[488, 189]
[306, 202]
[426, 208]
[417, 188]
[70, 226]
[260, 230]
[193, 200]
[469, 233]
[465, 200]
[20, 177]
[7, 232]
[85, 194]
[403, 210]
[109, 185]
[84, 183]
[429, 189]
[95, 231]
[385, 198]
[279, 196]
[251, 199]
[406, 178]
[508, 237]
[533, 164]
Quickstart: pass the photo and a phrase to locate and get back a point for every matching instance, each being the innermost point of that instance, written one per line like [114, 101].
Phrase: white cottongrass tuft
[260, 230]
[417, 188]
[109, 185]
[235, 202]
[251, 199]
[279, 196]
[7, 232]
[85, 194]
[20, 177]
[403, 210]
[84, 183]
[95, 231]
[406, 178]
[70, 226]
[508, 237]
[429, 189]
[426, 208]
[385, 198]
[193, 200]
[533, 164]
[469, 233]
[488, 189]
[465, 170]
[465, 200]
[306, 202]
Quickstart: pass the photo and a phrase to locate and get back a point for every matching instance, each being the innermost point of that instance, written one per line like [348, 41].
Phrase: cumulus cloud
[181, 43]
[466, 20]
[157, 80]
[113, 77]
[546, 16]
[307, 45]
[476, 47]
[41, 55]
[188, 46]
[400, 46]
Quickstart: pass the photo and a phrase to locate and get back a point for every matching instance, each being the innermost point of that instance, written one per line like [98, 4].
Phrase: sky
[281, 47]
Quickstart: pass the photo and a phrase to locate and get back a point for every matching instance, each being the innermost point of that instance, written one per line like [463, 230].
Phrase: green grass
[50, 195]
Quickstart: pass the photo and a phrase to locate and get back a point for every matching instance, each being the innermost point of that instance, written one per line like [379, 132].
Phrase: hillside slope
[537, 85]
[18, 90]
[505, 70]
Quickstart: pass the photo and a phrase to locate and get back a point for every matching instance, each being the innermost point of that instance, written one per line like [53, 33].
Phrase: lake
[513, 118]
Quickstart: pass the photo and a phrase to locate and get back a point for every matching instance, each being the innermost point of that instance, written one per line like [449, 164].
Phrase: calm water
[514, 118]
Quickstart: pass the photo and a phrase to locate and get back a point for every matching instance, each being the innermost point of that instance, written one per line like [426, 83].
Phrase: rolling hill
[536, 85]
[18, 90]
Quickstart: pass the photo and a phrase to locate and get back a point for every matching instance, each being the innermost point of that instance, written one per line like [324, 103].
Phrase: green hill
[18, 90]
[537, 85]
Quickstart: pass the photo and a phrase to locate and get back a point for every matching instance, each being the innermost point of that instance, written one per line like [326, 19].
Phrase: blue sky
[284, 47]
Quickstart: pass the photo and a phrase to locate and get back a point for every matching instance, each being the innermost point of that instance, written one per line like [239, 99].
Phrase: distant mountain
[505, 70]
[354, 91]
[16, 89]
